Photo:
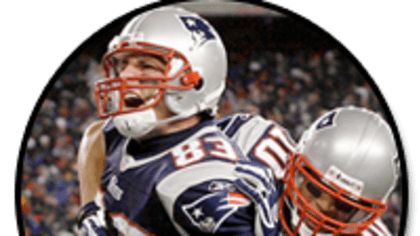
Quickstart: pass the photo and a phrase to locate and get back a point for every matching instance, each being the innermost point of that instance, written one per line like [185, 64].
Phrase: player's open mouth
[133, 100]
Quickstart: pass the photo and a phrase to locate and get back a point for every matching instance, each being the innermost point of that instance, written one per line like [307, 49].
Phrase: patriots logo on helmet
[201, 31]
[206, 217]
[326, 121]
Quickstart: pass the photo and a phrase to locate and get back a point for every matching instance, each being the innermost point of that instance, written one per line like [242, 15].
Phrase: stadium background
[278, 67]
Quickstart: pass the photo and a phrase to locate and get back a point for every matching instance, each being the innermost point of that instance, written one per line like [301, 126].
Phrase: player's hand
[94, 221]
[258, 184]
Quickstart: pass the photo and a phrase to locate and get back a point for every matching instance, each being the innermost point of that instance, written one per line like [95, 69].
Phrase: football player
[336, 180]
[161, 164]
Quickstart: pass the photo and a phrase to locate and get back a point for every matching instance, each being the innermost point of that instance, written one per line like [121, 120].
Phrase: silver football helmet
[194, 77]
[347, 158]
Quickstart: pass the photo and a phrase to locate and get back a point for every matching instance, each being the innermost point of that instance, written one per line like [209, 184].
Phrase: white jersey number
[194, 151]
[271, 151]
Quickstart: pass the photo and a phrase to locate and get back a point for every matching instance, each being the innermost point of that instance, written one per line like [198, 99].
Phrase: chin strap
[132, 126]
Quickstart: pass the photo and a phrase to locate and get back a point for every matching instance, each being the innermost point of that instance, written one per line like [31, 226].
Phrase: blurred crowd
[291, 89]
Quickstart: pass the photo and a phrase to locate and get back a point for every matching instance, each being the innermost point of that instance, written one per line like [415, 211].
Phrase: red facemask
[359, 211]
[120, 85]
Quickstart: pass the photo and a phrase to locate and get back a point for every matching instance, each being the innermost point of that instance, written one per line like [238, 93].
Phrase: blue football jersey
[178, 184]
[261, 140]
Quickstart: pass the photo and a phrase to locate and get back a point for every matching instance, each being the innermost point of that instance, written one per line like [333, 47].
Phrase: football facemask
[111, 93]
[346, 213]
